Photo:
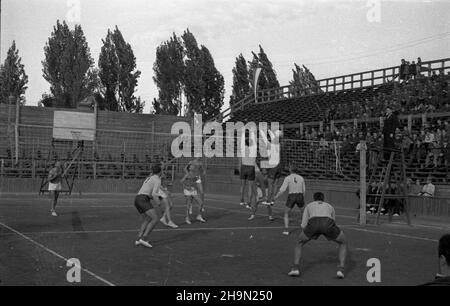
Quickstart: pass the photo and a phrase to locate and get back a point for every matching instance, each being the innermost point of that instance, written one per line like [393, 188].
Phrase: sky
[330, 37]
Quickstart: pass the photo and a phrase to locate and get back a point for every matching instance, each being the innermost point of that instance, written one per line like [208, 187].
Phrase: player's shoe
[172, 225]
[248, 206]
[188, 221]
[286, 233]
[53, 213]
[200, 218]
[143, 243]
[252, 217]
[396, 215]
[272, 203]
[271, 218]
[294, 272]
[265, 203]
[163, 221]
[340, 274]
[242, 203]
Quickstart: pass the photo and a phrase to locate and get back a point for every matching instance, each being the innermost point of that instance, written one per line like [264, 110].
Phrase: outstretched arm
[283, 189]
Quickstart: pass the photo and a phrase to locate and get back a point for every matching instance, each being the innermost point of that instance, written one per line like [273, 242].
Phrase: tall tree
[193, 77]
[214, 84]
[241, 81]
[67, 65]
[169, 72]
[13, 79]
[118, 74]
[203, 83]
[304, 81]
[268, 77]
[268, 72]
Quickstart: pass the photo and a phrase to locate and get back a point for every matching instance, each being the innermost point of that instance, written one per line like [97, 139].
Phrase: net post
[362, 184]
[16, 130]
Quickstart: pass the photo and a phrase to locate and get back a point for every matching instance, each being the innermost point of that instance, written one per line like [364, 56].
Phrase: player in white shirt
[295, 185]
[147, 196]
[319, 219]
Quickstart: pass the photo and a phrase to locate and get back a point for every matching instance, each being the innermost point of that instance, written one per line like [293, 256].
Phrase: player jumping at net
[55, 177]
[144, 202]
[273, 172]
[295, 185]
[319, 219]
[191, 185]
[261, 194]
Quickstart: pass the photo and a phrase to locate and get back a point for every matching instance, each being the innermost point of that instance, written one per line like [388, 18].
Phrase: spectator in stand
[360, 147]
[429, 189]
[434, 153]
[419, 66]
[404, 70]
[415, 188]
[428, 140]
[416, 149]
[407, 144]
[413, 70]
[446, 155]
[391, 124]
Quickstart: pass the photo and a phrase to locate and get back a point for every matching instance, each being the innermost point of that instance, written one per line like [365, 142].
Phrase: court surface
[228, 250]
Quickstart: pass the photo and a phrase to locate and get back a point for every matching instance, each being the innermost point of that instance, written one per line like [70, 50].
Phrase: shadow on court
[227, 250]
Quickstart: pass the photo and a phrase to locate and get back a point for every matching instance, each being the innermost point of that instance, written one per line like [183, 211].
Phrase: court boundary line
[55, 254]
[237, 228]
[390, 234]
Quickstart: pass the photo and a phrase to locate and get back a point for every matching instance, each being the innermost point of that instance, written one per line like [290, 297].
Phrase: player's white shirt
[294, 183]
[247, 159]
[317, 209]
[151, 187]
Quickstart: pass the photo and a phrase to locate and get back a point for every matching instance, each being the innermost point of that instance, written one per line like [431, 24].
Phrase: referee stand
[392, 172]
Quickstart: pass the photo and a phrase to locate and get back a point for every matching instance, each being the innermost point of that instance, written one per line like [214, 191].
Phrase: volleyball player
[55, 177]
[247, 174]
[319, 219]
[191, 183]
[273, 171]
[144, 202]
[295, 185]
[199, 170]
[261, 183]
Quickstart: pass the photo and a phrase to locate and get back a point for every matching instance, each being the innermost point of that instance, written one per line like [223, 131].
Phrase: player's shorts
[143, 203]
[54, 186]
[322, 226]
[295, 199]
[248, 173]
[274, 173]
[190, 192]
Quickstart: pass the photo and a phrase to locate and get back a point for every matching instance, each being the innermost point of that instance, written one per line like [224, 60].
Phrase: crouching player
[145, 202]
[319, 219]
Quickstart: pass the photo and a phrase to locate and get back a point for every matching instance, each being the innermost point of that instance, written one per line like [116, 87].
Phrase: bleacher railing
[339, 83]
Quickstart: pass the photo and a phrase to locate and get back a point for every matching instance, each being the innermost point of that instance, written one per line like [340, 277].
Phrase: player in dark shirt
[443, 276]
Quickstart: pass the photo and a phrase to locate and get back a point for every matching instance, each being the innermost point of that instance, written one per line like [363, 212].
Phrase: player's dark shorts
[247, 172]
[322, 226]
[295, 199]
[143, 203]
[275, 173]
